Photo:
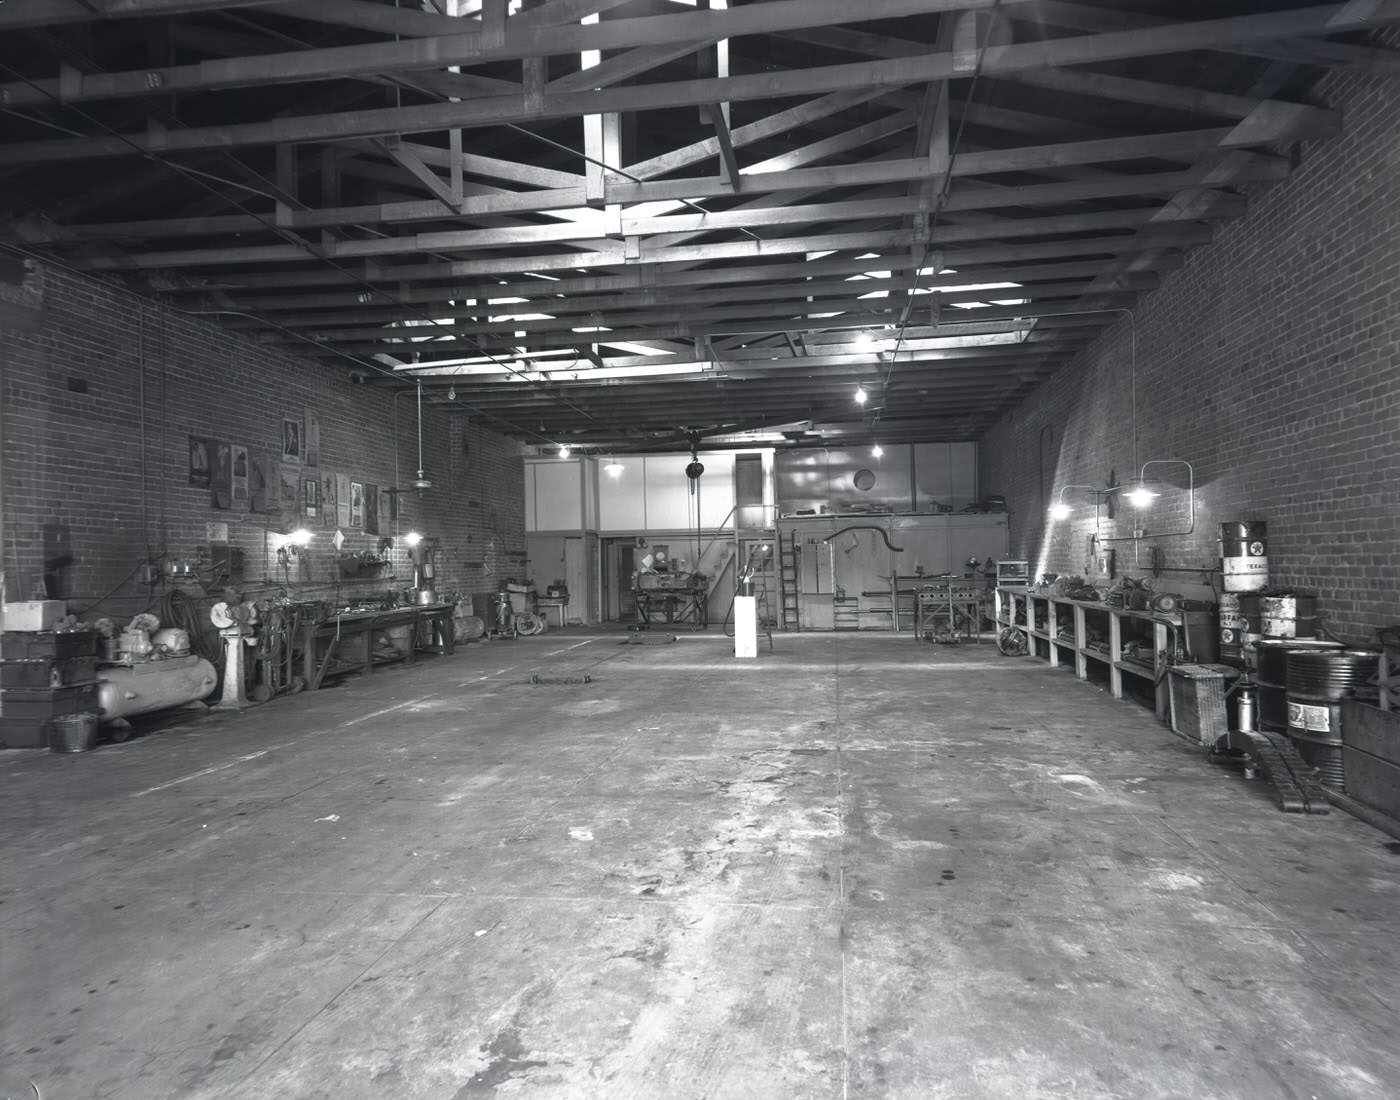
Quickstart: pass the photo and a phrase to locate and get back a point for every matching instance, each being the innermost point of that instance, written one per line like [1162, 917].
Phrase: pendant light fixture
[421, 482]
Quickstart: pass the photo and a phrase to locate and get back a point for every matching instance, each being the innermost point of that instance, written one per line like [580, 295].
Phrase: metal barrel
[1251, 629]
[1316, 683]
[1287, 616]
[1244, 556]
[1271, 677]
[1231, 627]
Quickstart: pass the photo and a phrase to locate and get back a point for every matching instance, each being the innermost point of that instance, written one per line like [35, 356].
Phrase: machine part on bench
[1013, 642]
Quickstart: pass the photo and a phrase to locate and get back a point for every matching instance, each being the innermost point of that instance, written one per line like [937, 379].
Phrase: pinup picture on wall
[291, 440]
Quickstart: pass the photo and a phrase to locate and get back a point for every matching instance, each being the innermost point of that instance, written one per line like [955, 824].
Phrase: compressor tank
[124, 690]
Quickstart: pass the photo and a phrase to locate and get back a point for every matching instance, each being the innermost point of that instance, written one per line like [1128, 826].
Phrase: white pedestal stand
[745, 626]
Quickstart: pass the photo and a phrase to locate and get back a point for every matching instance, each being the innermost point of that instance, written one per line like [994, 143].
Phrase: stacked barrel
[1244, 555]
[1244, 568]
[1317, 680]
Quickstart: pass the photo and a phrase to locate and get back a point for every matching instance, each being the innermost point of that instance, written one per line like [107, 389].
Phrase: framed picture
[291, 441]
[311, 497]
[311, 441]
[357, 504]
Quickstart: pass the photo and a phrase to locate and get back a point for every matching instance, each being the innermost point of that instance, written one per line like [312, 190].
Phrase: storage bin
[47, 672]
[33, 645]
[1198, 702]
[23, 733]
[48, 703]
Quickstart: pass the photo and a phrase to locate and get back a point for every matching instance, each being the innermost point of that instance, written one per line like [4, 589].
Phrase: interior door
[576, 578]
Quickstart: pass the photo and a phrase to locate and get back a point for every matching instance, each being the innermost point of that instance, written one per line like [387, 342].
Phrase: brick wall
[107, 468]
[1271, 362]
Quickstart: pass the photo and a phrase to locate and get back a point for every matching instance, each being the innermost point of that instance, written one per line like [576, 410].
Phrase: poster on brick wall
[311, 445]
[357, 504]
[327, 499]
[291, 440]
[342, 500]
[199, 462]
[371, 509]
[388, 505]
[289, 489]
[259, 481]
[240, 477]
[221, 478]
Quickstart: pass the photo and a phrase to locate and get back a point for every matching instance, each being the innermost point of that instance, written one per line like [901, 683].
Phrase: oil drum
[1317, 680]
[1271, 677]
[1244, 556]
[1287, 616]
[1251, 627]
[1231, 628]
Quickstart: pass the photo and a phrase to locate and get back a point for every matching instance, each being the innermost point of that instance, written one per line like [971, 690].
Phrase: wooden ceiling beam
[17, 14]
[641, 229]
[470, 48]
[997, 60]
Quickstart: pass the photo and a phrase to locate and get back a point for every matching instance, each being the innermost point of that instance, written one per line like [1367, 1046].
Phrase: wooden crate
[1198, 702]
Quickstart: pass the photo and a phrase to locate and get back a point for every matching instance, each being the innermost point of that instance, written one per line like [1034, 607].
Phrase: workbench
[357, 641]
[672, 605]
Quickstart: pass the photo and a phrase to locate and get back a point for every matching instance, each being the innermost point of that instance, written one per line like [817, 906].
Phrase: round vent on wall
[864, 480]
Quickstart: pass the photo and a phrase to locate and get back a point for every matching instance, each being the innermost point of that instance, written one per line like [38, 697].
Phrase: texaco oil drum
[1231, 627]
[1244, 556]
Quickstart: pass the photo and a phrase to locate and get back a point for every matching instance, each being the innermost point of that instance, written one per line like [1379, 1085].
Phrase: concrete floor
[860, 866]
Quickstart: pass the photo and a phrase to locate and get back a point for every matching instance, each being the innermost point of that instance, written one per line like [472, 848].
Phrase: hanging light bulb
[564, 450]
[452, 393]
[613, 467]
[876, 451]
[860, 395]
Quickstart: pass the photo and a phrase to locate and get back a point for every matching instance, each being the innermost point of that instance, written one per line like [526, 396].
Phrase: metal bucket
[1244, 556]
[1272, 676]
[72, 732]
[1317, 682]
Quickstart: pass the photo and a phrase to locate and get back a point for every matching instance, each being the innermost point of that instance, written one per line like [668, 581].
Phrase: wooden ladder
[787, 580]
